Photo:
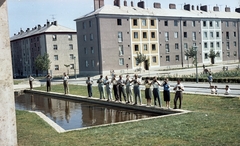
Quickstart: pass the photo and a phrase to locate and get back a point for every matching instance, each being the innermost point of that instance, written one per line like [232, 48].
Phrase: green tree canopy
[42, 62]
[140, 58]
[191, 53]
[212, 54]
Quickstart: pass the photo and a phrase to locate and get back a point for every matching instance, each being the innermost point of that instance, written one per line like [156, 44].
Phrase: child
[227, 90]
[212, 90]
[216, 90]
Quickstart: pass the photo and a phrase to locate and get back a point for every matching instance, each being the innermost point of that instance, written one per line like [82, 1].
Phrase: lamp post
[75, 67]
[196, 63]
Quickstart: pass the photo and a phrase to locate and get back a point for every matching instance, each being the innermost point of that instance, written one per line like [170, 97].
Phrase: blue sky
[29, 13]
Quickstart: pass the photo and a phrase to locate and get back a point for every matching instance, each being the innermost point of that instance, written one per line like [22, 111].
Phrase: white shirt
[31, 78]
[136, 82]
[156, 84]
[65, 78]
[176, 87]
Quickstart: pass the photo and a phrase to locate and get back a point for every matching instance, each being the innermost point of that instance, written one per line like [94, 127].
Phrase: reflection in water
[73, 114]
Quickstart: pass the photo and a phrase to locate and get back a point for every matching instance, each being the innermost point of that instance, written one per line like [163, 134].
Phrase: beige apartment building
[56, 40]
[112, 35]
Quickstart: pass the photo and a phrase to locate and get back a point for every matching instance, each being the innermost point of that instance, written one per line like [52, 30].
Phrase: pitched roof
[136, 11]
[52, 28]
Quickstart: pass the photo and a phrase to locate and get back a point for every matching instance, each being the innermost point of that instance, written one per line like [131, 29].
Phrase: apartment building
[111, 36]
[56, 40]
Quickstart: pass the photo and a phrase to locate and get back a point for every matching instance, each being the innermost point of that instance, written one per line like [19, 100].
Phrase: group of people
[214, 89]
[123, 88]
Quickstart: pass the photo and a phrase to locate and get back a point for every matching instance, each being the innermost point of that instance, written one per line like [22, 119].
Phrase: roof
[52, 28]
[136, 11]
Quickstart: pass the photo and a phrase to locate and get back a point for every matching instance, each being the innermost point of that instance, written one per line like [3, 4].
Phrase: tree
[140, 58]
[191, 53]
[212, 55]
[42, 62]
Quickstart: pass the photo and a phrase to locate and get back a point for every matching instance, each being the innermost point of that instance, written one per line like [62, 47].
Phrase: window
[135, 22]
[120, 37]
[92, 50]
[166, 36]
[175, 35]
[93, 63]
[176, 46]
[90, 23]
[121, 53]
[210, 23]
[135, 35]
[56, 67]
[154, 59]
[119, 21]
[121, 61]
[167, 48]
[205, 35]
[165, 23]
[153, 34]
[227, 35]
[227, 45]
[91, 37]
[153, 47]
[228, 54]
[144, 35]
[212, 45]
[205, 55]
[55, 47]
[184, 23]
[85, 50]
[177, 57]
[204, 23]
[205, 45]
[70, 47]
[71, 56]
[217, 23]
[235, 44]
[175, 23]
[71, 66]
[84, 25]
[235, 53]
[145, 47]
[185, 46]
[185, 34]
[69, 37]
[85, 37]
[55, 57]
[211, 35]
[54, 37]
[227, 24]
[144, 22]
[152, 23]
[234, 24]
[86, 63]
[218, 44]
[217, 54]
[167, 58]
[194, 35]
[193, 23]
[136, 48]
[217, 34]
[234, 34]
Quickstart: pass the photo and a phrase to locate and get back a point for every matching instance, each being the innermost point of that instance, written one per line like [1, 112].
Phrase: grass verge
[215, 121]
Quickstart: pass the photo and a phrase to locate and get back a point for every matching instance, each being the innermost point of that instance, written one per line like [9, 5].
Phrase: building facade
[112, 36]
[59, 42]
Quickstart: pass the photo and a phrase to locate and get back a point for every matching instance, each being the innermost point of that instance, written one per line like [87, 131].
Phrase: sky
[25, 14]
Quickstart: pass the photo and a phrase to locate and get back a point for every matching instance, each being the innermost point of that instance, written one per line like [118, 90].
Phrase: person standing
[48, 78]
[31, 79]
[179, 88]
[101, 87]
[136, 89]
[121, 89]
[65, 83]
[89, 83]
[129, 90]
[108, 88]
[227, 90]
[156, 92]
[210, 79]
[148, 91]
[115, 87]
[166, 92]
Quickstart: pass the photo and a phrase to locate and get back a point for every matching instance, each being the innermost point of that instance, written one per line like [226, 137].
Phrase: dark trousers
[178, 94]
[48, 86]
[121, 91]
[156, 96]
[89, 88]
[115, 91]
[30, 83]
[65, 85]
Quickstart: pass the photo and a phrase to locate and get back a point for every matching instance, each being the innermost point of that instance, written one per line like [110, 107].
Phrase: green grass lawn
[214, 121]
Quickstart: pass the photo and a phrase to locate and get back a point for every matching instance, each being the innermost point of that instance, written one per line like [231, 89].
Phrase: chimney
[39, 26]
[198, 8]
[216, 8]
[227, 9]
[48, 23]
[172, 6]
[157, 5]
[192, 7]
[27, 29]
[204, 8]
[55, 23]
[116, 3]
[237, 10]
[187, 7]
[125, 3]
[141, 4]
[132, 4]
[98, 4]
